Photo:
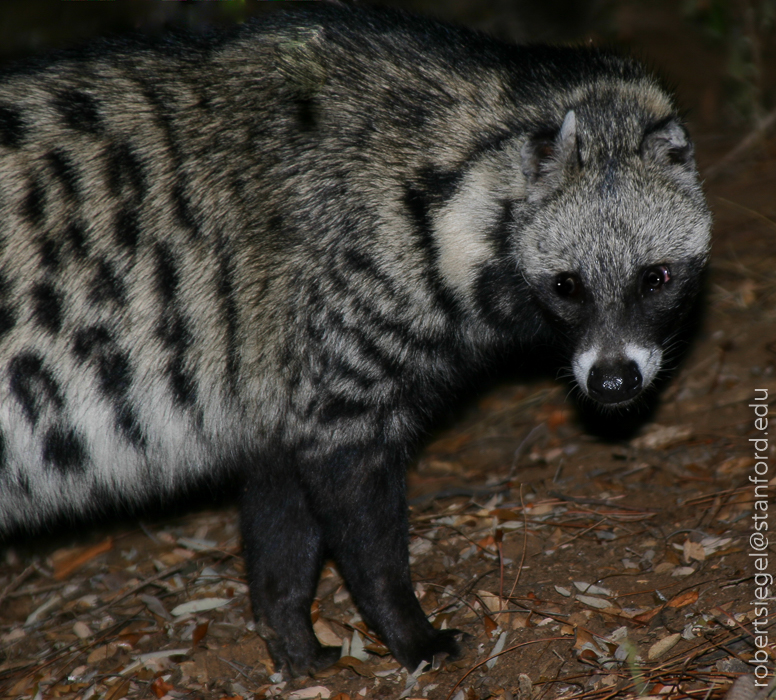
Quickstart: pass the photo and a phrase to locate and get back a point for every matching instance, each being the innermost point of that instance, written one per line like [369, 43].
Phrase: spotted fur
[279, 252]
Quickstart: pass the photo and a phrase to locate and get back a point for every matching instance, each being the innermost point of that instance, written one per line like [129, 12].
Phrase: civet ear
[547, 159]
[668, 143]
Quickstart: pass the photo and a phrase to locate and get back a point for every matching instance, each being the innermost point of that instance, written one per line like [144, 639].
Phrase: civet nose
[614, 382]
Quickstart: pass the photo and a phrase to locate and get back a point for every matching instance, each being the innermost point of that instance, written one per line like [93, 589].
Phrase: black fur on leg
[283, 555]
[358, 497]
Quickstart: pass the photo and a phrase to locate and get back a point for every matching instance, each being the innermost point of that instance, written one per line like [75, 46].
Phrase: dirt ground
[581, 557]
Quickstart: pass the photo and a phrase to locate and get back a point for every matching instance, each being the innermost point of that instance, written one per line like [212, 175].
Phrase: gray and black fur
[279, 252]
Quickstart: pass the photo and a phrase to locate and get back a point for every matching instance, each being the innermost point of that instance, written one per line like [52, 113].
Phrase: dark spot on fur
[64, 171]
[438, 185]
[173, 329]
[204, 102]
[275, 223]
[34, 203]
[33, 385]
[166, 273]
[7, 319]
[127, 228]
[432, 187]
[341, 409]
[500, 292]
[49, 253]
[418, 205]
[77, 236]
[491, 141]
[47, 306]
[64, 449]
[114, 372]
[183, 386]
[608, 184]
[238, 185]
[183, 209]
[127, 424]
[114, 376]
[226, 292]
[361, 263]
[12, 129]
[126, 175]
[306, 114]
[174, 333]
[106, 286]
[87, 340]
[79, 110]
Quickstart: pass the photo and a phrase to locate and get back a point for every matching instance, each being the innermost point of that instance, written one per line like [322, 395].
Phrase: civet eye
[569, 286]
[655, 278]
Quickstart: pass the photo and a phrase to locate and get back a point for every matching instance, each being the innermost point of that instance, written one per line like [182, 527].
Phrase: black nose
[614, 382]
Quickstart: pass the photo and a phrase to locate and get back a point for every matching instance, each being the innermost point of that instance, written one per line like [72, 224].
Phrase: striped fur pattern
[277, 253]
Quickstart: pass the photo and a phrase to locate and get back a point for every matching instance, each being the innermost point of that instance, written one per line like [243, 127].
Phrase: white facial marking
[647, 359]
[461, 229]
[581, 365]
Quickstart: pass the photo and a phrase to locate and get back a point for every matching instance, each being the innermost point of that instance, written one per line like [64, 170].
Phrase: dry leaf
[66, 561]
[160, 687]
[521, 620]
[316, 691]
[661, 647]
[356, 665]
[683, 599]
[201, 605]
[664, 567]
[661, 436]
[491, 601]
[487, 542]
[101, 653]
[648, 615]
[597, 603]
[326, 634]
[199, 633]
[591, 589]
[119, 690]
[583, 637]
[82, 630]
[490, 626]
[693, 550]
[504, 515]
